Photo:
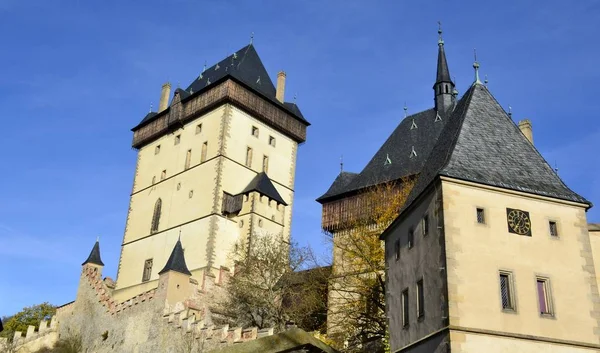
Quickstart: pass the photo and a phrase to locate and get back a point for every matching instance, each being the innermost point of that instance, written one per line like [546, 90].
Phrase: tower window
[163, 174]
[420, 299]
[265, 166]
[446, 88]
[248, 157]
[405, 316]
[411, 238]
[147, 270]
[153, 180]
[543, 289]
[177, 139]
[397, 249]
[553, 228]
[157, 149]
[480, 216]
[272, 141]
[203, 152]
[425, 225]
[188, 158]
[198, 129]
[254, 131]
[156, 216]
[506, 291]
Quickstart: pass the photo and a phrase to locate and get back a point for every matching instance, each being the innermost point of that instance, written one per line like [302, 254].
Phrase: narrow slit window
[265, 166]
[553, 228]
[157, 149]
[506, 291]
[188, 158]
[248, 157]
[156, 216]
[254, 131]
[420, 299]
[147, 270]
[203, 152]
[411, 238]
[405, 309]
[177, 139]
[272, 141]
[198, 129]
[163, 174]
[397, 249]
[480, 216]
[543, 289]
[425, 225]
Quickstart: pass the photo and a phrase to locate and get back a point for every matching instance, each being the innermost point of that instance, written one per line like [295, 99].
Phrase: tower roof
[263, 185]
[339, 184]
[443, 73]
[176, 261]
[94, 257]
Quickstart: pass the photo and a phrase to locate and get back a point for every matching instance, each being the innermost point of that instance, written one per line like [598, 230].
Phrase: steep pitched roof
[263, 185]
[339, 185]
[94, 257]
[482, 144]
[395, 159]
[176, 261]
[443, 73]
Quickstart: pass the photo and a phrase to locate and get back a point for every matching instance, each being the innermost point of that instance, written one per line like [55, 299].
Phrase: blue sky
[76, 76]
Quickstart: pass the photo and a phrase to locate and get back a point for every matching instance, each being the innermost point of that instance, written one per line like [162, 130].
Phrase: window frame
[272, 141]
[404, 298]
[265, 163]
[188, 159]
[556, 229]
[420, 298]
[198, 128]
[177, 139]
[156, 149]
[425, 224]
[479, 210]
[411, 238]
[397, 249]
[147, 275]
[512, 308]
[204, 152]
[545, 281]
[255, 129]
[248, 157]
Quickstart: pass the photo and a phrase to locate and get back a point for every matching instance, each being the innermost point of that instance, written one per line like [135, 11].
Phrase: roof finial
[179, 239]
[252, 38]
[405, 110]
[556, 166]
[440, 40]
[150, 108]
[476, 66]
[204, 68]
[510, 111]
[295, 97]
[485, 80]
[97, 238]
[341, 164]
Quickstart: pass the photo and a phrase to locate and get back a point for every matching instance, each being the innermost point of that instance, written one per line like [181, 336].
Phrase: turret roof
[94, 257]
[263, 185]
[176, 261]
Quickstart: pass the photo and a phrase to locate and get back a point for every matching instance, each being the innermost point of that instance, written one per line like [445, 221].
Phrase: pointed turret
[443, 87]
[176, 261]
[94, 257]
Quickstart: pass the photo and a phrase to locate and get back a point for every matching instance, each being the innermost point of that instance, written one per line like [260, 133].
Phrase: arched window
[156, 216]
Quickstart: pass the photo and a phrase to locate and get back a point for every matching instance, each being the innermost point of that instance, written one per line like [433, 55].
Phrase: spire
[176, 261]
[443, 87]
[476, 67]
[341, 164]
[94, 257]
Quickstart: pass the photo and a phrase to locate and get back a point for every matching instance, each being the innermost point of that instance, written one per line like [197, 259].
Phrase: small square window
[420, 299]
[397, 249]
[157, 149]
[272, 141]
[553, 228]
[425, 225]
[405, 316]
[198, 129]
[480, 216]
[177, 139]
[506, 291]
[254, 131]
[543, 290]
[411, 238]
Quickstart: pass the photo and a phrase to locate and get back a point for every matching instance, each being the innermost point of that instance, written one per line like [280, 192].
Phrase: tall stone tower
[214, 166]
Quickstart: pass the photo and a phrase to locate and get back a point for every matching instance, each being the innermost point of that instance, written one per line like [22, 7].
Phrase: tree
[28, 316]
[266, 291]
[357, 289]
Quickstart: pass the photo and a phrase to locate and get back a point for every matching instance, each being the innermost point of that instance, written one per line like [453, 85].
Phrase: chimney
[164, 97]
[280, 86]
[525, 126]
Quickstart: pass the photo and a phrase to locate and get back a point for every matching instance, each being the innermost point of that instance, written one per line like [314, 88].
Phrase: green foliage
[31, 315]
[67, 345]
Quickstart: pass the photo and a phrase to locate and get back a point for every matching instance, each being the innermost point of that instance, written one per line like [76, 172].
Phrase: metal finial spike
[97, 238]
[405, 110]
[476, 66]
[341, 163]
[509, 111]
[252, 38]
[204, 68]
[485, 80]
[179, 235]
[295, 97]
[150, 108]
[440, 40]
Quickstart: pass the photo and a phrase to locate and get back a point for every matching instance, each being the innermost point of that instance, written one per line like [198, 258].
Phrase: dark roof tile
[263, 185]
[176, 261]
[94, 257]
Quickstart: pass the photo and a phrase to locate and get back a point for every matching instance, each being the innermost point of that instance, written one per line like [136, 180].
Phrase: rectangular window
[248, 157]
[405, 308]
[397, 249]
[425, 225]
[420, 299]
[157, 149]
[411, 238]
[203, 152]
[177, 139]
[265, 167]
[272, 141]
[553, 228]
[188, 158]
[543, 289]
[198, 129]
[163, 174]
[254, 131]
[480, 216]
[147, 270]
[506, 291]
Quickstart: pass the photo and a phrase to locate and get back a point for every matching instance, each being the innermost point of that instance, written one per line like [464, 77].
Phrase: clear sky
[77, 75]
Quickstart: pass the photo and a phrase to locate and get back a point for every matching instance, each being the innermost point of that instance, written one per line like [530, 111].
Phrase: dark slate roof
[398, 147]
[339, 185]
[148, 117]
[263, 185]
[245, 66]
[176, 261]
[443, 73]
[94, 257]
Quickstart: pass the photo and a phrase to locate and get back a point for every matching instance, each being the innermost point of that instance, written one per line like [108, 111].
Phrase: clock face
[518, 222]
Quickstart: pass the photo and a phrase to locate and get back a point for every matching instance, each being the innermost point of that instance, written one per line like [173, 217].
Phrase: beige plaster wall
[477, 252]
[595, 242]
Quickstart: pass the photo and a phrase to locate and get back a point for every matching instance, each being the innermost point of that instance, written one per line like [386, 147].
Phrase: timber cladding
[228, 91]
